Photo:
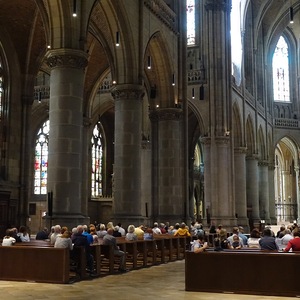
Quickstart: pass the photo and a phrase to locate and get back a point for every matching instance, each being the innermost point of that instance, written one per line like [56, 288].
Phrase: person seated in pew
[102, 231]
[64, 241]
[182, 231]
[294, 243]
[80, 240]
[130, 235]
[221, 242]
[199, 245]
[156, 229]
[148, 235]
[9, 240]
[236, 243]
[23, 234]
[235, 231]
[15, 235]
[253, 241]
[93, 232]
[43, 234]
[109, 239]
[139, 231]
[286, 237]
[117, 233]
[267, 242]
[55, 234]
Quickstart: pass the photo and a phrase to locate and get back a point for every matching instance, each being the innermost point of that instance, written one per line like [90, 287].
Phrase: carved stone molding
[218, 5]
[164, 114]
[70, 58]
[252, 157]
[240, 150]
[222, 140]
[127, 91]
[205, 140]
[263, 163]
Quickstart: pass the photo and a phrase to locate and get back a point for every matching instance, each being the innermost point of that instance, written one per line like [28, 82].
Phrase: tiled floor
[159, 282]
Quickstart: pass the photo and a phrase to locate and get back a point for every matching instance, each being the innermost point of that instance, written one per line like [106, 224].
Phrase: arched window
[191, 32]
[97, 161]
[41, 160]
[281, 82]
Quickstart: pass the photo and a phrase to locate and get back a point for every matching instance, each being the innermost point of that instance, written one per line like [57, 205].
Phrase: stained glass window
[97, 158]
[190, 17]
[41, 160]
[281, 80]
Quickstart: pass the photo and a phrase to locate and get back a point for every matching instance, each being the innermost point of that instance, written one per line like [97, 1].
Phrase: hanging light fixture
[193, 93]
[291, 15]
[74, 8]
[173, 79]
[149, 62]
[39, 96]
[117, 39]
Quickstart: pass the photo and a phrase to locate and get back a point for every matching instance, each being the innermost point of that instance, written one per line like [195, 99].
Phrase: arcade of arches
[155, 110]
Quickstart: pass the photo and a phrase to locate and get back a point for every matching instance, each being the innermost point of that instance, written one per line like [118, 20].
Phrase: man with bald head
[109, 239]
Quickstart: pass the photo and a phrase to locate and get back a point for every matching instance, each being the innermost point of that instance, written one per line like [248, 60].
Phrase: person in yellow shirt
[182, 231]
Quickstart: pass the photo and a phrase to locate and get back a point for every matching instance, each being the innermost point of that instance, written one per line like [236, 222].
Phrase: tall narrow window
[97, 159]
[41, 160]
[191, 32]
[281, 80]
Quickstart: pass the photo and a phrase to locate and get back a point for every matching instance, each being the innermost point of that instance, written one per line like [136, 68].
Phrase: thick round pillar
[240, 187]
[169, 203]
[65, 138]
[252, 191]
[264, 191]
[127, 163]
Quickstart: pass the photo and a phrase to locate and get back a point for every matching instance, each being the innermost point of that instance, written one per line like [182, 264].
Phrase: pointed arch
[237, 126]
[261, 144]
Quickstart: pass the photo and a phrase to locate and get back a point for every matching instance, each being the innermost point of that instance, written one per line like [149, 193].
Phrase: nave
[165, 281]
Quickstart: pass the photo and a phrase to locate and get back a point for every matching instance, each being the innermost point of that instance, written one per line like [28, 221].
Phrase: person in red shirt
[294, 243]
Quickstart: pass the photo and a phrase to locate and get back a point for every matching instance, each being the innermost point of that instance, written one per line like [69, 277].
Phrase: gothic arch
[261, 144]
[237, 127]
[160, 76]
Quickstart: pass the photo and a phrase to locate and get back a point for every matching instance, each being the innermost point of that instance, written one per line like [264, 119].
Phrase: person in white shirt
[8, 240]
[156, 229]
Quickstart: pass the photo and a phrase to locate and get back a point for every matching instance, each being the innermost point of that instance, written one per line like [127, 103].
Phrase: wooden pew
[39, 264]
[245, 272]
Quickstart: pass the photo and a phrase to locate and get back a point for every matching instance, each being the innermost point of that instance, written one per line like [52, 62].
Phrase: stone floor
[159, 282]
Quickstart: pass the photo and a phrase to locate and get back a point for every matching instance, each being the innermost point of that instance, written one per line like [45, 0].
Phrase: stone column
[252, 189]
[170, 203]
[240, 187]
[127, 164]
[272, 208]
[65, 138]
[264, 191]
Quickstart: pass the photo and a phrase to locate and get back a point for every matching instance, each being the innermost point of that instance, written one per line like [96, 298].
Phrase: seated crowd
[286, 239]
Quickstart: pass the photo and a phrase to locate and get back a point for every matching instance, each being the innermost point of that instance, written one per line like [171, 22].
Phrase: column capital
[218, 5]
[127, 91]
[166, 114]
[71, 58]
[240, 150]
[252, 157]
[263, 163]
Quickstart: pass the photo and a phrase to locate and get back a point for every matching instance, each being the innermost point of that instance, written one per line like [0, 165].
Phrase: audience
[267, 242]
[43, 234]
[253, 241]
[109, 239]
[55, 234]
[8, 239]
[64, 241]
[294, 244]
[130, 235]
[182, 231]
[23, 234]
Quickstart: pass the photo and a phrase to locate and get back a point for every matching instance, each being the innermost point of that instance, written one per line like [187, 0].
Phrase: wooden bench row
[39, 261]
[243, 271]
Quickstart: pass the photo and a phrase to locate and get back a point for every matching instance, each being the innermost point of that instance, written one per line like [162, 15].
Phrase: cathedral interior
[143, 111]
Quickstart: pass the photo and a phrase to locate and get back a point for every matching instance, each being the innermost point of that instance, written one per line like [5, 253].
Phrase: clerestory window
[191, 31]
[280, 64]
